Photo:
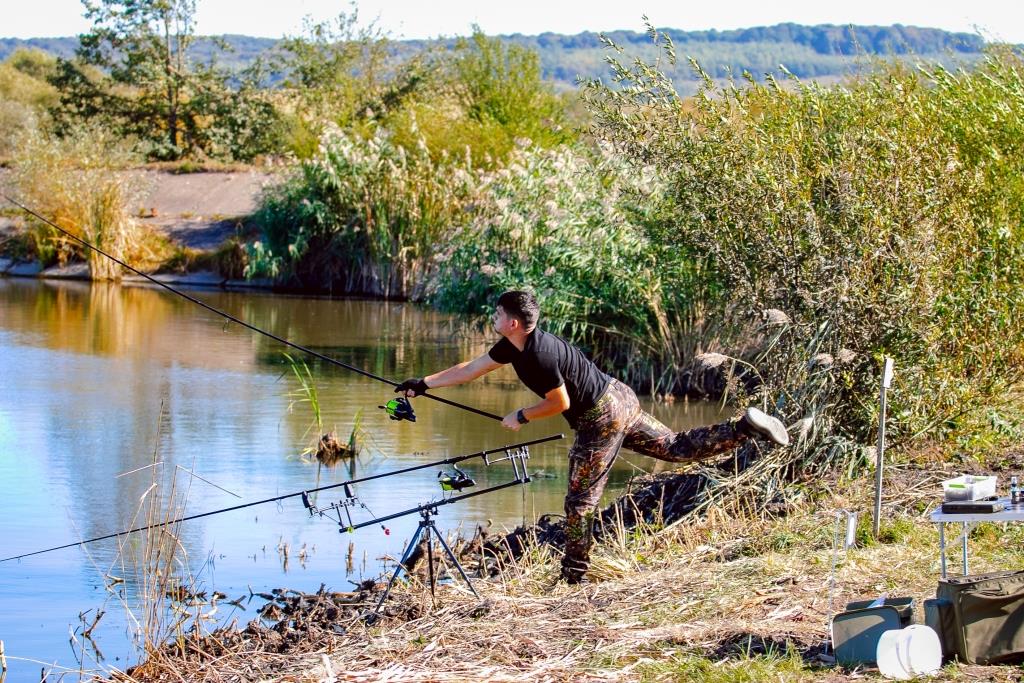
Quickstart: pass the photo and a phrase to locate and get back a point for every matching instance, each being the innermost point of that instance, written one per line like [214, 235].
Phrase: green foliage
[25, 75]
[362, 216]
[371, 216]
[24, 95]
[338, 73]
[238, 123]
[133, 74]
[554, 221]
[498, 85]
[878, 218]
[143, 44]
[332, 67]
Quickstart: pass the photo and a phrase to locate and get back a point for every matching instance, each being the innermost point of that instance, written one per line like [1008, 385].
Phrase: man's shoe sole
[767, 426]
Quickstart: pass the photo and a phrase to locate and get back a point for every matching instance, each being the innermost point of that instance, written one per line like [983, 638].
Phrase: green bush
[23, 79]
[24, 96]
[842, 224]
[480, 99]
[361, 216]
[557, 221]
[369, 216]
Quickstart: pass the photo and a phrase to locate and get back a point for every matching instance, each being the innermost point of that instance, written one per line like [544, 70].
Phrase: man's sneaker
[758, 423]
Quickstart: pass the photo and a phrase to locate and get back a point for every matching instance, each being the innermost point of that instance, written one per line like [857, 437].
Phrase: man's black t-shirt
[547, 362]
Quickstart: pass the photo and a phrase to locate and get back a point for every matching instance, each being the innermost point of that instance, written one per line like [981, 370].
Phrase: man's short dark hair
[521, 305]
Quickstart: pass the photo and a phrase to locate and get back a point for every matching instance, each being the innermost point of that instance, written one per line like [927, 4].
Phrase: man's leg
[599, 437]
[648, 436]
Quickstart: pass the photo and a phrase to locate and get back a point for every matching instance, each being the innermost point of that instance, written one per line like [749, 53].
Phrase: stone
[255, 283]
[29, 269]
[72, 271]
[203, 278]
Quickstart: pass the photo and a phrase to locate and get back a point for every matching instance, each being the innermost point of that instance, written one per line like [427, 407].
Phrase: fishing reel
[456, 481]
[399, 409]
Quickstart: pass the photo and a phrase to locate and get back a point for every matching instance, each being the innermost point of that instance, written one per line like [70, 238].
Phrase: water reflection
[98, 381]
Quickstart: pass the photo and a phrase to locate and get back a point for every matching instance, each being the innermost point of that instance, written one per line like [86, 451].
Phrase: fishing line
[306, 492]
[241, 322]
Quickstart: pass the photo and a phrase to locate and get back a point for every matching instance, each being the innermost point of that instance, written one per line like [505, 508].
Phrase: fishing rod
[304, 494]
[241, 322]
[340, 513]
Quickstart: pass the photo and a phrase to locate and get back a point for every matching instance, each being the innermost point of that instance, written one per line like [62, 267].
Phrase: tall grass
[568, 223]
[77, 181]
[362, 216]
[806, 230]
[879, 217]
[378, 216]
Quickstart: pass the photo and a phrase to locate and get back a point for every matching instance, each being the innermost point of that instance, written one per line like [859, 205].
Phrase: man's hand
[411, 387]
[511, 421]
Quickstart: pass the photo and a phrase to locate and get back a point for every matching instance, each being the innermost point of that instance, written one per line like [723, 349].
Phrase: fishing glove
[415, 385]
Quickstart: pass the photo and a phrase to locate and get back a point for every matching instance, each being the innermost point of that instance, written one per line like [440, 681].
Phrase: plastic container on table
[969, 487]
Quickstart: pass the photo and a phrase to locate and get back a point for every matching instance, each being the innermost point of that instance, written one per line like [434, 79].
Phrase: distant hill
[825, 51]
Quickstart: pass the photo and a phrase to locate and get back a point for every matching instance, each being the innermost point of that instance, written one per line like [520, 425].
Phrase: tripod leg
[455, 561]
[400, 567]
[430, 562]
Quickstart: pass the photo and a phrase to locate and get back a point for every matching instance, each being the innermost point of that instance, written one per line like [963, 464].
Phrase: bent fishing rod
[228, 316]
[305, 493]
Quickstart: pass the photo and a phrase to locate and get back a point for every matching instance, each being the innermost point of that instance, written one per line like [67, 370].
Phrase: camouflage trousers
[618, 421]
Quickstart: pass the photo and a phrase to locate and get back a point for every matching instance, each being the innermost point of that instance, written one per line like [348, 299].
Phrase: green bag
[938, 614]
[855, 632]
[988, 617]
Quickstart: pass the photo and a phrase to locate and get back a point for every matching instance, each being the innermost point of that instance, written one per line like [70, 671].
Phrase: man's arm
[462, 373]
[456, 374]
[555, 402]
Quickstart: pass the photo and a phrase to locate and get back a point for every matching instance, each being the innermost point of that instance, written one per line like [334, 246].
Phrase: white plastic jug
[908, 652]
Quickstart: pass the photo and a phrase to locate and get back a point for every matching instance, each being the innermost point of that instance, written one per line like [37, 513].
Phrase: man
[604, 413]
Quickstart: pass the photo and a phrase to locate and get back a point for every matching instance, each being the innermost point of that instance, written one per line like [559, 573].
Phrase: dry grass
[722, 598]
[79, 183]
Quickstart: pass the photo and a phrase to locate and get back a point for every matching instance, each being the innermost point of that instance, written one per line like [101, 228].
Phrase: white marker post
[886, 383]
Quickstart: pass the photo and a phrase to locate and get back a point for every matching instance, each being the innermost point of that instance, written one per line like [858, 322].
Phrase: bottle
[1014, 491]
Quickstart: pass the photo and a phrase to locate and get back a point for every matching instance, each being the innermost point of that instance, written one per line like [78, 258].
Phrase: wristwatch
[521, 417]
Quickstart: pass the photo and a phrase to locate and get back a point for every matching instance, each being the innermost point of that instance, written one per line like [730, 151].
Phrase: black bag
[987, 619]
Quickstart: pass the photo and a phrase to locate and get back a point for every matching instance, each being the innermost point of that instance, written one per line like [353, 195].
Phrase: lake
[111, 396]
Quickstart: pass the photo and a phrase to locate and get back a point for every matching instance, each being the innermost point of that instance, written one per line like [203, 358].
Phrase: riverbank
[198, 213]
[723, 598]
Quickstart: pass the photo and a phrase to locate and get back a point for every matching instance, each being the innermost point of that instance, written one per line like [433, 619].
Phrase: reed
[324, 445]
[804, 230]
[836, 225]
[306, 393]
[78, 181]
[363, 216]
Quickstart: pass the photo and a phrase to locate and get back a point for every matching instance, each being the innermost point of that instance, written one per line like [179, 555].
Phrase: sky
[994, 19]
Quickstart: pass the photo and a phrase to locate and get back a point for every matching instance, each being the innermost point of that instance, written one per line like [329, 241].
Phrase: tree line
[805, 50]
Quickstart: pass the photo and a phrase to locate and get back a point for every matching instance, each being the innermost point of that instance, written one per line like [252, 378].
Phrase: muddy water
[106, 391]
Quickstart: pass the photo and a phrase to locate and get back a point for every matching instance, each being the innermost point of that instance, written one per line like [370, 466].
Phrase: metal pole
[967, 530]
[886, 382]
[942, 547]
